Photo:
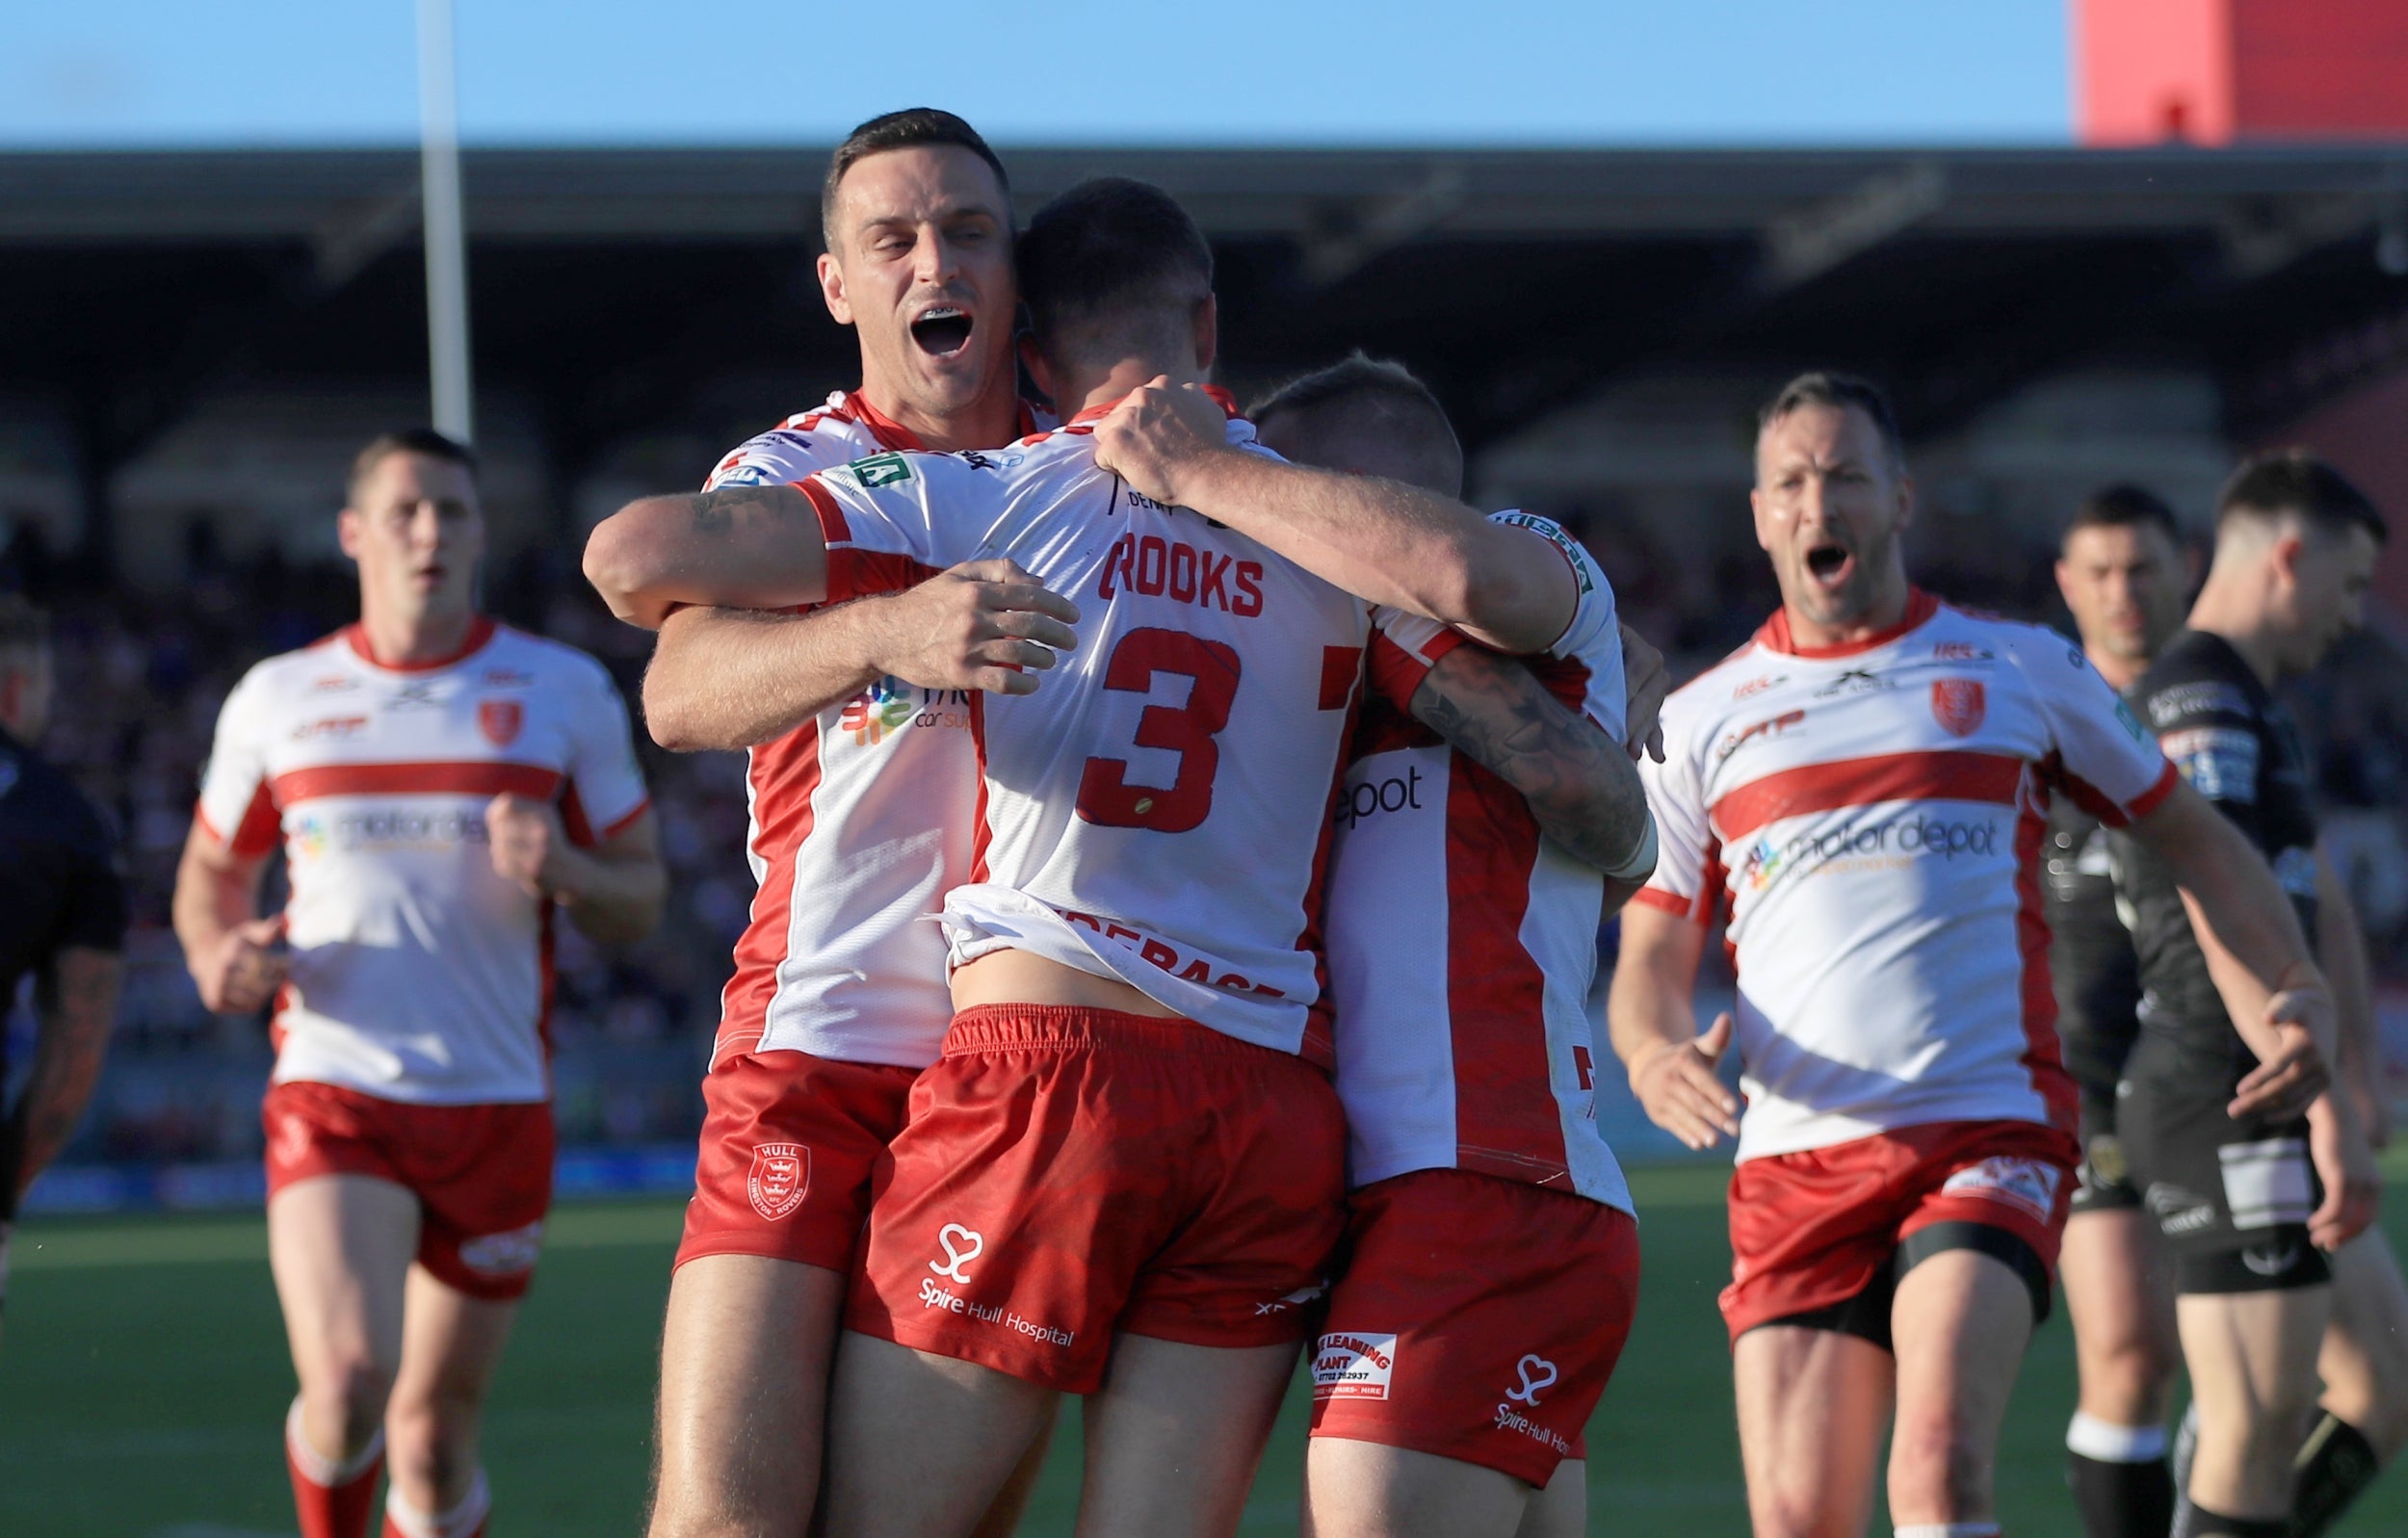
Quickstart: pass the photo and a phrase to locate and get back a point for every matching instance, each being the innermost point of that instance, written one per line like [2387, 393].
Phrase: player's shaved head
[1369, 416]
[910, 129]
[2295, 483]
[1114, 267]
[425, 441]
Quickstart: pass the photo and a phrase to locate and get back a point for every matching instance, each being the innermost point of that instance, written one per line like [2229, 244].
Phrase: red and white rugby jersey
[861, 821]
[1874, 814]
[1463, 943]
[417, 973]
[1159, 809]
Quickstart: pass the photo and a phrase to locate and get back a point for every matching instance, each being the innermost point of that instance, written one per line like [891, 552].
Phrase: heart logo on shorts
[951, 1267]
[1529, 1368]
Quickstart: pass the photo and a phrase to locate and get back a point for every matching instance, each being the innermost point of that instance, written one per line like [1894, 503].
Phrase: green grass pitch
[143, 1383]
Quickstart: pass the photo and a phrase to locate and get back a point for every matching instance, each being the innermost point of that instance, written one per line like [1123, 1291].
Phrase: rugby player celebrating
[1866, 782]
[1135, 957]
[2233, 1188]
[1449, 1399]
[2124, 572]
[440, 785]
[863, 786]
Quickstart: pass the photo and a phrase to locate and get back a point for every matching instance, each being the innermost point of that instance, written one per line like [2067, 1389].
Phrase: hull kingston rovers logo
[781, 1172]
[1959, 704]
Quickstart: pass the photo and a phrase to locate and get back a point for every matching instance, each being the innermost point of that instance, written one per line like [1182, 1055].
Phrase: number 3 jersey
[1462, 941]
[1158, 810]
[419, 973]
[1876, 815]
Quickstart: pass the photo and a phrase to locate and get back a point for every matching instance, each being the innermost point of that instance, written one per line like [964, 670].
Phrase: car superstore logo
[889, 705]
[315, 833]
[780, 1175]
[512, 1252]
[1354, 1366]
[1859, 846]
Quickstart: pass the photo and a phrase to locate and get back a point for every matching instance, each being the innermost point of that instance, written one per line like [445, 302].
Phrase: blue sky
[183, 73]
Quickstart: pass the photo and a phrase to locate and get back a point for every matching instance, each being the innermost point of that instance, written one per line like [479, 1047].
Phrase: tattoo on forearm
[1501, 717]
[717, 512]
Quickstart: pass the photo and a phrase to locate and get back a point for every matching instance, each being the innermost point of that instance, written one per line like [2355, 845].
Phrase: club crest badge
[781, 1172]
[500, 719]
[1959, 705]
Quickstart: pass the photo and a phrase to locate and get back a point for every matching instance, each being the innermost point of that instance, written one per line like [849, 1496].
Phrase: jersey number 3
[1105, 794]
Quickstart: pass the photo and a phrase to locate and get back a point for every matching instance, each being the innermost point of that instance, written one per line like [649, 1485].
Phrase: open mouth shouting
[1829, 564]
[942, 331]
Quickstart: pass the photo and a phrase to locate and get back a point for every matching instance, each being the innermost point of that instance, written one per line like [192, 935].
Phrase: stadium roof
[611, 284]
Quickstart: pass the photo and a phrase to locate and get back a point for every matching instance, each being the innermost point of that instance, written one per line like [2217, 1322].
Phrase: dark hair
[24, 625]
[2125, 506]
[409, 440]
[899, 130]
[1838, 391]
[1356, 377]
[2298, 480]
[1111, 243]
[1386, 392]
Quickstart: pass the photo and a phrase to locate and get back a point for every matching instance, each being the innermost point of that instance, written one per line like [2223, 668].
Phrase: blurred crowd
[142, 678]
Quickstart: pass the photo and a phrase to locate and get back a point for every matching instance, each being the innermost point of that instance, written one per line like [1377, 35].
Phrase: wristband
[1640, 862]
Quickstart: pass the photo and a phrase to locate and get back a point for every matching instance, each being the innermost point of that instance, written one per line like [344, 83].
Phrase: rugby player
[863, 786]
[2124, 571]
[1450, 1399]
[1866, 782]
[2234, 1191]
[1140, 926]
[62, 917]
[441, 785]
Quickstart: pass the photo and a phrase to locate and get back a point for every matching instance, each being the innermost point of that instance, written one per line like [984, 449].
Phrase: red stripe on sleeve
[1341, 666]
[832, 526]
[1655, 897]
[467, 778]
[255, 834]
[1925, 777]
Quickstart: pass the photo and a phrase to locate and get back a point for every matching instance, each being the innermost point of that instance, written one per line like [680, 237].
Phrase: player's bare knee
[350, 1398]
[1939, 1468]
[429, 1442]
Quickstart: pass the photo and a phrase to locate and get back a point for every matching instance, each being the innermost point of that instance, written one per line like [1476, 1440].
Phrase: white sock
[321, 1470]
[1949, 1529]
[458, 1523]
[2106, 1442]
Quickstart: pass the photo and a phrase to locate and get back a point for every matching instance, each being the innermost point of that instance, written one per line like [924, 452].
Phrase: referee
[62, 917]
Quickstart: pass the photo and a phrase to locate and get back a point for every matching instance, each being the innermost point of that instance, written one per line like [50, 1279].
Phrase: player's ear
[1756, 507]
[2064, 583]
[1206, 332]
[1041, 372]
[346, 532]
[832, 288]
[1905, 500]
[2284, 554]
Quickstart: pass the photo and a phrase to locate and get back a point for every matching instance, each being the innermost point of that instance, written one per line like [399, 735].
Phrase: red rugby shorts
[1071, 1173]
[482, 1174]
[1815, 1228]
[1476, 1318]
[788, 1143]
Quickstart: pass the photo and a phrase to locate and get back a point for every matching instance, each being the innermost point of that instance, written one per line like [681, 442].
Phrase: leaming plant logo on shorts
[1349, 1365]
[507, 1253]
[2025, 1184]
[780, 1174]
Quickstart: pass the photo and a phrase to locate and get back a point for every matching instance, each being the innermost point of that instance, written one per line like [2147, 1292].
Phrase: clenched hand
[1156, 432]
